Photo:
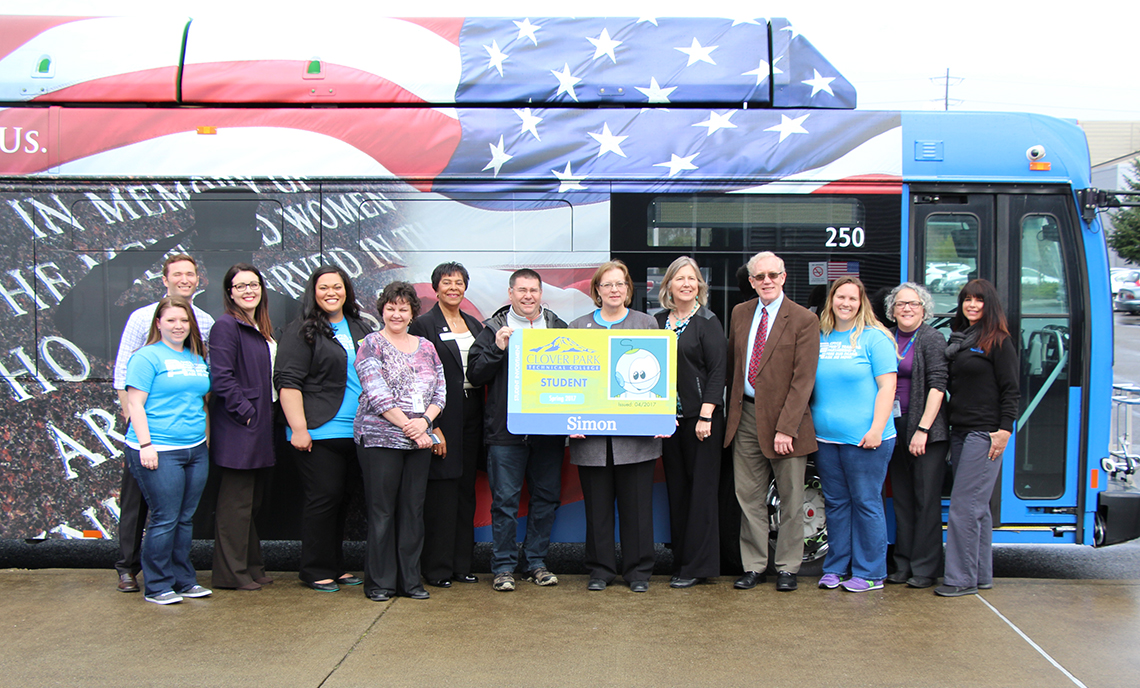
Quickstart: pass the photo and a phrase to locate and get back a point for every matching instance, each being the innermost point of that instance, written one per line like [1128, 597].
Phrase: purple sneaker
[830, 581]
[861, 585]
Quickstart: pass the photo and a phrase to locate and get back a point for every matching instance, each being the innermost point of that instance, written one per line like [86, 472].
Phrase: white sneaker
[197, 591]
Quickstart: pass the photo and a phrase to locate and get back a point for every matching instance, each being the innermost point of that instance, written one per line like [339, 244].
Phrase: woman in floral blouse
[404, 393]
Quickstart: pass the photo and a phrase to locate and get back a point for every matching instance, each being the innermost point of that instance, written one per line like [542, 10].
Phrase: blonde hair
[863, 319]
[666, 298]
[193, 338]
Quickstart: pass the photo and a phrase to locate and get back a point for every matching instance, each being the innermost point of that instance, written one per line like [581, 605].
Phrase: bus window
[1039, 471]
[951, 256]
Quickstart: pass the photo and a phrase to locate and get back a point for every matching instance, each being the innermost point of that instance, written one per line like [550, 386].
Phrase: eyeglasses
[254, 286]
[759, 277]
[606, 286]
[903, 305]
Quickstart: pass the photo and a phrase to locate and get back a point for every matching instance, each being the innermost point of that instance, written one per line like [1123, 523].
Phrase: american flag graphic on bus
[840, 268]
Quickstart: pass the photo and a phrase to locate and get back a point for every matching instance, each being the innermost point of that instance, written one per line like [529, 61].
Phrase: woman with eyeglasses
[241, 428]
[316, 378]
[618, 468]
[918, 464]
[692, 454]
[984, 394]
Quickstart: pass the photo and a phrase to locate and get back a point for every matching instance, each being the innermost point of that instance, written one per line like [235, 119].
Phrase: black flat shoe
[418, 594]
[897, 578]
[679, 582]
[596, 584]
[639, 586]
[441, 583]
[919, 582]
[324, 587]
[379, 596]
[349, 580]
[465, 578]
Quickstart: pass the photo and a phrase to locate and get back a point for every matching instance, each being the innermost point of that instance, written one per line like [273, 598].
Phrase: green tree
[1125, 237]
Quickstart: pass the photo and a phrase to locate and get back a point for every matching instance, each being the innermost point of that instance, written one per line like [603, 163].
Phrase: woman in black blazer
[319, 390]
[691, 457]
[449, 508]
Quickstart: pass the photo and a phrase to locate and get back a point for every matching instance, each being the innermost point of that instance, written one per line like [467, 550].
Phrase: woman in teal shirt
[851, 408]
[167, 384]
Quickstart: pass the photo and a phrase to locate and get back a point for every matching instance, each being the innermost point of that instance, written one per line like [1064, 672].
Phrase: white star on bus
[677, 163]
[789, 126]
[655, 93]
[609, 142]
[497, 56]
[698, 53]
[527, 30]
[819, 83]
[604, 45]
[498, 156]
[569, 181]
[566, 81]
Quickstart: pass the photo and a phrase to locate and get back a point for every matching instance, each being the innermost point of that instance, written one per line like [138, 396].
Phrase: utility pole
[946, 88]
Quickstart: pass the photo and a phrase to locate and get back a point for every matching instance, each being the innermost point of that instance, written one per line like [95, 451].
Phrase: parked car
[1124, 277]
[1127, 300]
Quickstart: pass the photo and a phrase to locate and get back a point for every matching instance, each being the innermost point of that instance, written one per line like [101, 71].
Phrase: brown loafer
[127, 583]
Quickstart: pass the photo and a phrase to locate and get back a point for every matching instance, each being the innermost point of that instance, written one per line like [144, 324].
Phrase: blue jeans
[539, 461]
[171, 491]
[852, 481]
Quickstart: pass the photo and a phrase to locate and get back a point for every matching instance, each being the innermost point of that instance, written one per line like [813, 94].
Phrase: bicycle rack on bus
[1121, 461]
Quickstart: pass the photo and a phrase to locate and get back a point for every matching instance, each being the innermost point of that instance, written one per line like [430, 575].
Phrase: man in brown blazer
[772, 355]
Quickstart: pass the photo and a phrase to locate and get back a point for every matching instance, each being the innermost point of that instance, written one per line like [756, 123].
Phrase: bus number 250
[844, 237]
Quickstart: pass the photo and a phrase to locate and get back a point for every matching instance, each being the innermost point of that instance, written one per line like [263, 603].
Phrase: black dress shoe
[679, 582]
[897, 578]
[465, 578]
[639, 586]
[596, 584]
[418, 594]
[786, 582]
[750, 580]
[127, 583]
[441, 583]
[379, 596]
[349, 580]
[324, 587]
[919, 582]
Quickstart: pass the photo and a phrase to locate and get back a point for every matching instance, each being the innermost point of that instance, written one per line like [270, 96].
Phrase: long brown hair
[261, 313]
[193, 339]
[992, 326]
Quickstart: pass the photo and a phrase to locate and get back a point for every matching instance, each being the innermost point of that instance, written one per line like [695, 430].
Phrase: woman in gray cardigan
[618, 468]
[918, 465]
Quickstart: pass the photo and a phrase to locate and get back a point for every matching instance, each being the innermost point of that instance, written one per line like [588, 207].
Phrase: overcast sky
[1062, 58]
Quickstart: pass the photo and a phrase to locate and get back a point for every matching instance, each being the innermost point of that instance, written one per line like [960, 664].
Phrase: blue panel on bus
[994, 147]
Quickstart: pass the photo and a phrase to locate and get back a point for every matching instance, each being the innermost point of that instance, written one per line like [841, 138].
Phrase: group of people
[407, 410]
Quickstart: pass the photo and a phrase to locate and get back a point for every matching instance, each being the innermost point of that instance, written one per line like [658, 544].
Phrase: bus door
[1024, 242]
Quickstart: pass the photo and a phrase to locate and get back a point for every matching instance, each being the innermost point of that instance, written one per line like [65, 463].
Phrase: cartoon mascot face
[638, 371]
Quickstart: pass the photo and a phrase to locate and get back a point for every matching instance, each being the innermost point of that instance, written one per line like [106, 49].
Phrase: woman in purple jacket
[241, 425]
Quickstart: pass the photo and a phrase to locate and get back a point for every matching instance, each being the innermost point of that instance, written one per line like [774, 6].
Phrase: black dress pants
[132, 521]
[326, 475]
[449, 507]
[692, 476]
[395, 481]
[631, 485]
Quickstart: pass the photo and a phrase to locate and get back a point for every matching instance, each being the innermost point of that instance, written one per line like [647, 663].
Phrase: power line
[946, 93]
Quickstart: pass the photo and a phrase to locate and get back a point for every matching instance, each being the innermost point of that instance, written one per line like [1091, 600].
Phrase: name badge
[448, 336]
[897, 412]
[417, 404]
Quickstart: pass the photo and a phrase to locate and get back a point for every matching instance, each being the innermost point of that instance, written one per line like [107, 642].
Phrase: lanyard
[909, 344]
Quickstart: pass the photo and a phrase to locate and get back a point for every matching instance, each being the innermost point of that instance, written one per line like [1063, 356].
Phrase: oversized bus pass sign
[592, 382]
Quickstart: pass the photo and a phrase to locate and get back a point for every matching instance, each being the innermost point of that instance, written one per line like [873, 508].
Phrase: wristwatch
[926, 430]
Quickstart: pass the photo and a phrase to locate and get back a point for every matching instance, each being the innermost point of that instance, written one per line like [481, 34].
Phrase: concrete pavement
[71, 627]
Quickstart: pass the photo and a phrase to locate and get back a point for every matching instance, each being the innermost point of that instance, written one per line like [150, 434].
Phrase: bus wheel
[814, 518]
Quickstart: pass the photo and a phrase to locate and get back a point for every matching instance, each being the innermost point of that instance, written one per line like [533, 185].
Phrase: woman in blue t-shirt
[167, 384]
[316, 380]
[851, 407]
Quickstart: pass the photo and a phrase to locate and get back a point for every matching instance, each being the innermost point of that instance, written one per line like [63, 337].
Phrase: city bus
[387, 146]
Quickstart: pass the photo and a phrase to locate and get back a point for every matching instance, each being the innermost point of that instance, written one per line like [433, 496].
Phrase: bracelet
[922, 429]
[144, 445]
[707, 420]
